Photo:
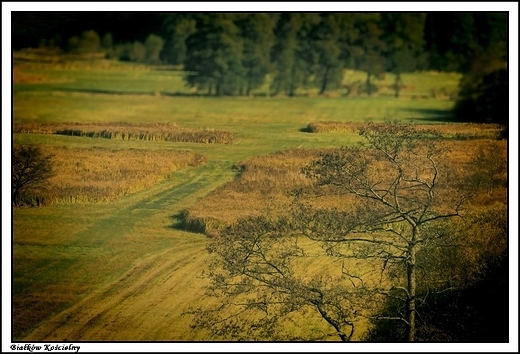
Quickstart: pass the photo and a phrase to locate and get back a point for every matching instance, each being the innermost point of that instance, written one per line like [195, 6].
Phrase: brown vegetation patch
[263, 184]
[266, 183]
[20, 77]
[450, 131]
[54, 58]
[126, 131]
[332, 127]
[101, 175]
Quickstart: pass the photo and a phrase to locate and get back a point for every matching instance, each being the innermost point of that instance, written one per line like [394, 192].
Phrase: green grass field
[120, 270]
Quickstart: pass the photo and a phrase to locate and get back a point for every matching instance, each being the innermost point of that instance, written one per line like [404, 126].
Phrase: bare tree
[30, 169]
[263, 281]
[338, 264]
[396, 184]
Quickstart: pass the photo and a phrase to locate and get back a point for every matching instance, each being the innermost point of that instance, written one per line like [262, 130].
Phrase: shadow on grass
[165, 93]
[128, 93]
[180, 221]
[432, 115]
[177, 221]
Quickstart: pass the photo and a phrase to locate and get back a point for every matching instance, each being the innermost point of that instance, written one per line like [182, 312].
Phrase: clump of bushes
[331, 127]
[202, 225]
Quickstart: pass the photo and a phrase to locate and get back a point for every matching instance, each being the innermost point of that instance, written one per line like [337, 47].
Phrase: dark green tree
[485, 99]
[370, 48]
[258, 40]
[484, 88]
[292, 54]
[404, 37]
[154, 45]
[88, 42]
[31, 168]
[214, 55]
[326, 43]
[491, 29]
[107, 42]
[136, 51]
[284, 54]
[451, 40]
[177, 28]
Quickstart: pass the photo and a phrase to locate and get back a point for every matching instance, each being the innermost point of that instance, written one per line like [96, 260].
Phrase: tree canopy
[31, 168]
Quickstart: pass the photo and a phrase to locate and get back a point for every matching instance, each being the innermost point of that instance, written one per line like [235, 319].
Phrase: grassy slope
[96, 256]
[119, 271]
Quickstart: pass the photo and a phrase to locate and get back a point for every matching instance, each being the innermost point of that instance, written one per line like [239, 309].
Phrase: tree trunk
[324, 81]
[397, 84]
[15, 197]
[292, 88]
[369, 86]
[411, 287]
[249, 81]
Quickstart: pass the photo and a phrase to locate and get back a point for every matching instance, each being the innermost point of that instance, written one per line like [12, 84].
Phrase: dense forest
[233, 53]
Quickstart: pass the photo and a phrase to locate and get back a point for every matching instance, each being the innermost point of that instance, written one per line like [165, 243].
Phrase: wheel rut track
[125, 307]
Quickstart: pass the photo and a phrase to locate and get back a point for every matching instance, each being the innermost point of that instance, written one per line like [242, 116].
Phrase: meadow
[126, 264]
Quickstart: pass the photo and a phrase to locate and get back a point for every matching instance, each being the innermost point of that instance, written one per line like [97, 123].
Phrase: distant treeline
[234, 53]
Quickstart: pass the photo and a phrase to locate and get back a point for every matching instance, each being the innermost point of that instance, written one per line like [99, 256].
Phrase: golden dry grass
[126, 131]
[265, 183]
[455, 131]
[20, 77]
[102, 175]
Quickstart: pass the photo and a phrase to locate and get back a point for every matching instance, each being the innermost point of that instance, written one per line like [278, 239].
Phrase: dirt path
[149, 273]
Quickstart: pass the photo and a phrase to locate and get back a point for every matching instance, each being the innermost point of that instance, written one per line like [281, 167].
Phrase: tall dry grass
[450, 131]
[266, 183]
[101, 175]
[127, 131]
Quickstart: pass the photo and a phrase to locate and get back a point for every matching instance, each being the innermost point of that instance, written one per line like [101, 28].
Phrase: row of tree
[235, 53]
[232, 53]
[89, 41]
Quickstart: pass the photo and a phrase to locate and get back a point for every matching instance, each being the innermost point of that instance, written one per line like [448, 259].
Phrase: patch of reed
[98, 175]
[456, 131]
[266, 183]
[126, 131]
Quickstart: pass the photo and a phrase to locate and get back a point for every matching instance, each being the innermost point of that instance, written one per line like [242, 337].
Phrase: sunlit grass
[101, 175]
